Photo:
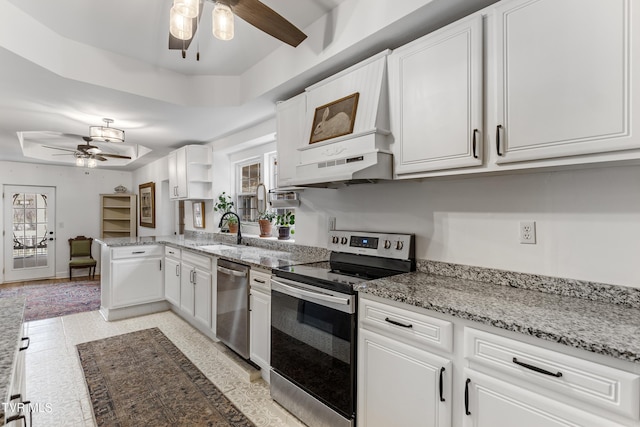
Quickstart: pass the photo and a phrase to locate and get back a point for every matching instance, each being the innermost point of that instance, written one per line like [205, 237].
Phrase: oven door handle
[309, 295]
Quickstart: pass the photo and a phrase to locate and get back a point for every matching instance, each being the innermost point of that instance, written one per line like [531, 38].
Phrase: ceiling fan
[185, 15]
[87, 154]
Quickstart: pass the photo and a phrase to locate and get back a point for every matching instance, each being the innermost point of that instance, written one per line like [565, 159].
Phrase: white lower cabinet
[136, 275]
[260, 321]
[172, 275]
[412, 370]
[494, 403]
[401, 385]
[399, 382]
[16, 405]
[195, 288]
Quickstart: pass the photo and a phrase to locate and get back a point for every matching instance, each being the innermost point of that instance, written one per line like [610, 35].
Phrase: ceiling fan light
[180, 27]
[187, 8]
[80, 162]
[222, 22]
[92, 163]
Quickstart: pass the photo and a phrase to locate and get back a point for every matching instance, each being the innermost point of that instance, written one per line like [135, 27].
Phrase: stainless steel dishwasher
[232, 306]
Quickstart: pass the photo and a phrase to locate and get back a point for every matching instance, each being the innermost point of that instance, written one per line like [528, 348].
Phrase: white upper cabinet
[190, 173]
[436, 99]
[564, 81]
[290, 122]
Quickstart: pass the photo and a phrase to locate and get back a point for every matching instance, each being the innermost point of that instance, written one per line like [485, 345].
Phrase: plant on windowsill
[284, 223]
[265, 220]
[224, 204]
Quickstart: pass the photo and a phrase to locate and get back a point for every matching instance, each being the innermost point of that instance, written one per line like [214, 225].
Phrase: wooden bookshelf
[118, 215]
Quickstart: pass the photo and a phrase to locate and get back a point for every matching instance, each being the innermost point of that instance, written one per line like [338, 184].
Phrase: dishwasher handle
[230, 272]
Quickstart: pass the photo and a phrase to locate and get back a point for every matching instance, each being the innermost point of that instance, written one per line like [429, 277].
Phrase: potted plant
[284, 223]
[223, 204]
[264, 221]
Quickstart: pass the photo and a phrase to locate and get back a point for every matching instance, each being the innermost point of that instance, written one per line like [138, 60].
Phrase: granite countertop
[11, 310]
[262, 257]
[599, 327]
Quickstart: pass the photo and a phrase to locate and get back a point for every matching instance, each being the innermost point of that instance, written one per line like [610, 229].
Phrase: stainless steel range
[314, 324]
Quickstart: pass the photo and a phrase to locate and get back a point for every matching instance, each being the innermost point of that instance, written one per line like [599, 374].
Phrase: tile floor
[55, 382]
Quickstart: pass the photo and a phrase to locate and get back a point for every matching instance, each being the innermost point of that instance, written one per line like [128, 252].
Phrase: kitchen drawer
[406, 325]
[137, 251]
[260, 280]
[566, 378]
[197, 260]
[172, 252]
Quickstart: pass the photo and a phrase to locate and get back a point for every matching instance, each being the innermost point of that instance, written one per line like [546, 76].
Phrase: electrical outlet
[331, 223]
[528, 232]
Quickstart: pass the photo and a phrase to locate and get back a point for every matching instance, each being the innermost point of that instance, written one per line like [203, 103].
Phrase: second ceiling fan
[185, 15]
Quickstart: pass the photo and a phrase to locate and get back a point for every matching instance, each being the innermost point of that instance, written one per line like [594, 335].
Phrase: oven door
[313, 342]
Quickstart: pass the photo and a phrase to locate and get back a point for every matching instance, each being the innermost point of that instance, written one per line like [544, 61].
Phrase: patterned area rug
[143, 379]
[56, 299]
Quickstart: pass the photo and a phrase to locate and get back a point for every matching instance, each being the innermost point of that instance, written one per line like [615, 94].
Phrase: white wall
[157, 172]
[77, 200]
[588, 221]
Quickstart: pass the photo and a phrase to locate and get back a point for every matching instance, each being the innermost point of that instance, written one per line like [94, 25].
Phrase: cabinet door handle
[160, 265]
[498, 132]
[177, 270]
[536, 369]
[194, 277]
[475, 153]
[16, 418]
[394, 322]
[466, 397]
[27, 346]
[441, 384]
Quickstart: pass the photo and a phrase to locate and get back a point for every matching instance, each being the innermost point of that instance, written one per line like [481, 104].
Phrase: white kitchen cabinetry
[563, 88]
[190, 173]
[136, 275]
[134, 282]
[495, 403]
[260, 321]
[436, 99]
[490, 379]
[172, 275]
[290, 123]
[399, 382]
[195, 288]
[15, 405]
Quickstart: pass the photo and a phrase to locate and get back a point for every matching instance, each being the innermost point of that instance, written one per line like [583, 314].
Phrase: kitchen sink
[216, 247]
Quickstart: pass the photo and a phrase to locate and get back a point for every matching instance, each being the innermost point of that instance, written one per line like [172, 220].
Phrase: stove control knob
[387, 244]
[343, 240]
[335, 240]
[399, 245]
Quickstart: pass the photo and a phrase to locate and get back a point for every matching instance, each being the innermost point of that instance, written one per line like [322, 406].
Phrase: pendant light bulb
[222, 20]
[187, 8]
[179, 26]
[80, 162]
[92, 163]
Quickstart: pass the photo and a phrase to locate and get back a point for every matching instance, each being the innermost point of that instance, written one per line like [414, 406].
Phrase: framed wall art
[334, 119]
[198, 214]
[147, 193]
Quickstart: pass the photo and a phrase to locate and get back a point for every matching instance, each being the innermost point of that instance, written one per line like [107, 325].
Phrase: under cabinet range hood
[361, 153]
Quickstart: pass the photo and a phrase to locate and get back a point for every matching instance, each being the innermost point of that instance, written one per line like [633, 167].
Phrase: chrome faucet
[236, 215]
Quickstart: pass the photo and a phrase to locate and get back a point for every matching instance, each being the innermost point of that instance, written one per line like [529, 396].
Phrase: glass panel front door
[30, 249]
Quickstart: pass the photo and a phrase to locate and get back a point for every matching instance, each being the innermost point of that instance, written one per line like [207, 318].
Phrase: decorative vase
[283, 233]
[265, 227]
[233, 227]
